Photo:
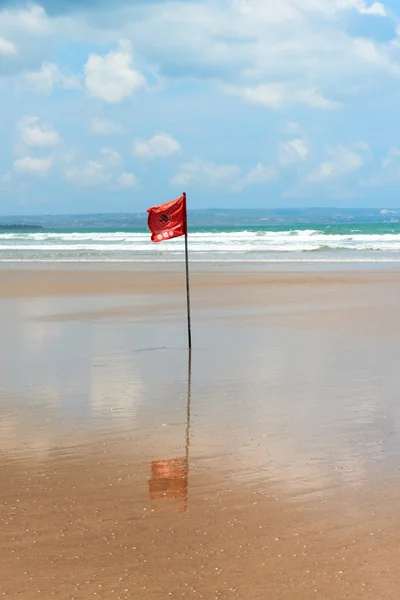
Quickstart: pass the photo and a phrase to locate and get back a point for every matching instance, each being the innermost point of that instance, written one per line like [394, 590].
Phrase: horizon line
[381, 211]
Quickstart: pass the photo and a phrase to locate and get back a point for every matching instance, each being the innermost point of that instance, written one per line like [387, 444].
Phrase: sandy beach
[270, 472]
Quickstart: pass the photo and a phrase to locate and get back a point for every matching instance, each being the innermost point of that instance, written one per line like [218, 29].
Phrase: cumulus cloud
[50, 76]
[388, 172]
[36, 36]
[303, 53]
[209, 174]
[7, 48]
[376, 57]
[105, 170]
[92, 174]
[376, 8]
[304, 46]
[293, 151]
[105, 127]
[292, 128]
[32, 133]
[342, 161]
[160, 145]
[110, 157]
[392, 157]
[202, 173]
[31, 19]
[112, 77]
[285, 8]
[33, 166]
[259, 174]
[236, 39]
[127, 180]
[280, 95]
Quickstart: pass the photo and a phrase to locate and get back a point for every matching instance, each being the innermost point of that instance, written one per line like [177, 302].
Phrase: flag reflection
[169, 480]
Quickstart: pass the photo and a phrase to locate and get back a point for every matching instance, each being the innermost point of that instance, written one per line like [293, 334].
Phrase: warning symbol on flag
[164, 219]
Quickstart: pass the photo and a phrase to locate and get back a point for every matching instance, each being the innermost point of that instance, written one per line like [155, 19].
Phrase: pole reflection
[169, 478]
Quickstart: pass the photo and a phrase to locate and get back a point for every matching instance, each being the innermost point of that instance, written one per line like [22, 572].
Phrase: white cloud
[110, 157]
[160, 145]
[305, 46]
[127, 180]
[209, 174]
[293, 151]
[292, 128]
[389, 171]
[376, 57]
[92, 174]
[342, 162]
[392, 157]
[259, 174]
[48, 77]
[280, 95]
[32, 133]
[376, 8]
[32, 20]
[7, 48]
[112, 77]
[33, 166]
[102, 171]
[105, 127]
[269, 95]
[311, 97]
[324, 7]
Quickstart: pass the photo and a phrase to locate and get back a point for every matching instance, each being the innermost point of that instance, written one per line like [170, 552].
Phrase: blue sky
[240, 103]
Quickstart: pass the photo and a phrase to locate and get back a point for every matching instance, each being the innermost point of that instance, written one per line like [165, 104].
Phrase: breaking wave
[243, 245]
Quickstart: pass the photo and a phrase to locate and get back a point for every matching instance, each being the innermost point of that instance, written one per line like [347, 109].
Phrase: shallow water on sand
[265, 467]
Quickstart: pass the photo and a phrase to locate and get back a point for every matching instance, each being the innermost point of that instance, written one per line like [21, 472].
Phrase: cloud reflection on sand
[60, 380]
[309, 409]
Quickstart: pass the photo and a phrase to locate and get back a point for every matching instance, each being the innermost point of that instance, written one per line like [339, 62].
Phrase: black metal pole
[187, 278]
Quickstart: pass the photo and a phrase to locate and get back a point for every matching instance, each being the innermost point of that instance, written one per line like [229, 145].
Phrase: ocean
[319, 243]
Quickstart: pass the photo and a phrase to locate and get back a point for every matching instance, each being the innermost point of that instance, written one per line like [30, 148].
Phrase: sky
[114, 107]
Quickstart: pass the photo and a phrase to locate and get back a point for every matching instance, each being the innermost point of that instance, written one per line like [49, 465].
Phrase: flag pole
[187, 276]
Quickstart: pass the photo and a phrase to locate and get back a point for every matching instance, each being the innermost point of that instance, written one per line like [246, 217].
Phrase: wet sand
[272, 473]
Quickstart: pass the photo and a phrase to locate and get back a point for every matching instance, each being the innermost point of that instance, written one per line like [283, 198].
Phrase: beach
[266, 466]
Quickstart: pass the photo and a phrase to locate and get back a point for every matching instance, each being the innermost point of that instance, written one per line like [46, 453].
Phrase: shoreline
[113, 281]
[197, 261]
[178, 266]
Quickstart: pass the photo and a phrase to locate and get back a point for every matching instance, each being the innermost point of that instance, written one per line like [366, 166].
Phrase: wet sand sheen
[88, 528]
[276, 478]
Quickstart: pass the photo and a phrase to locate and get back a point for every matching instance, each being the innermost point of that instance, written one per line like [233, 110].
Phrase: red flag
[168, 220]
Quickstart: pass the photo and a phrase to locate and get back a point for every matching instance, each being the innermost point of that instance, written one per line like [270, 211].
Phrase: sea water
[322, 243]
